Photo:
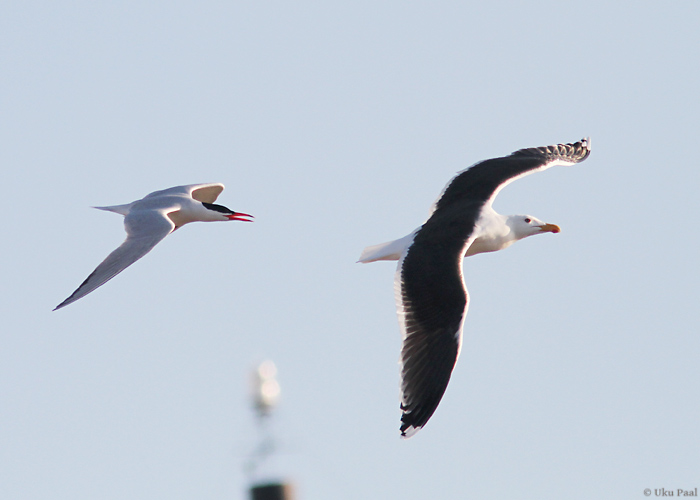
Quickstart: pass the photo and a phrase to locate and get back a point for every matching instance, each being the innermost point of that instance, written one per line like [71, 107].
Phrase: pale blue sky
[337, 125]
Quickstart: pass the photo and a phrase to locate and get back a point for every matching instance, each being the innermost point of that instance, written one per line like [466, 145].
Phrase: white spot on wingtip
[410, 432]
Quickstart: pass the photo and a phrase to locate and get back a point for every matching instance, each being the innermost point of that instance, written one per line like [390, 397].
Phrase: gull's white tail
[391, 250]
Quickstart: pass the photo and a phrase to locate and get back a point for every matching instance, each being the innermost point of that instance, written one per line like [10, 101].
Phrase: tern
[431, 296]
[148, 220]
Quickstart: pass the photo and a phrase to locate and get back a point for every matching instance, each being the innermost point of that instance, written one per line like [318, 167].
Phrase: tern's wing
[144, 229]
[206, 193]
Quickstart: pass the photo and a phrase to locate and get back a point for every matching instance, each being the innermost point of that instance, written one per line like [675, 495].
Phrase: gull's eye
[528, 220]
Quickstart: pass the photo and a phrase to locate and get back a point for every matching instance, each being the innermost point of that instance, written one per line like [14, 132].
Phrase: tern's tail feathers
[391, 250]
[119, 209]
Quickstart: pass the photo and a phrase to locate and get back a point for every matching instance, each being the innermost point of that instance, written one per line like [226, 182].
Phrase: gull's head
[221, 213]
[527, 225]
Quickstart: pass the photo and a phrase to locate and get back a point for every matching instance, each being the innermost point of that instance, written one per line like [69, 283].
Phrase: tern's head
[527, 225]
[220, 212]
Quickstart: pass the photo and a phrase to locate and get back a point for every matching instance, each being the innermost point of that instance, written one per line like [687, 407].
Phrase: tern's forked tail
[118, 209]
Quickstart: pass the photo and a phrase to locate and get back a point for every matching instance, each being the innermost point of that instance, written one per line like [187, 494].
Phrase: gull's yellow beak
[549, 228]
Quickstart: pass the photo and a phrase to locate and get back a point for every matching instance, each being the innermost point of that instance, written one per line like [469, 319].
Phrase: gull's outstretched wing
[481, 182]
[432, 302]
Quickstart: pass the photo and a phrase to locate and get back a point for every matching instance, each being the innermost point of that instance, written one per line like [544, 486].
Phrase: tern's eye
[528, 220]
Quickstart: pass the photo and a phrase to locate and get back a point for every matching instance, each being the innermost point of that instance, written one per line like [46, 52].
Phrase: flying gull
[147, 221]
[431, 295]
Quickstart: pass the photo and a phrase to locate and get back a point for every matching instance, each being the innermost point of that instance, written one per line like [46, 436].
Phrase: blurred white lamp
[266, 389]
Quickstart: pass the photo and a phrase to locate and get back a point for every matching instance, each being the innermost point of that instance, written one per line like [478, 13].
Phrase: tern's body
[431, 295]
[148, 220]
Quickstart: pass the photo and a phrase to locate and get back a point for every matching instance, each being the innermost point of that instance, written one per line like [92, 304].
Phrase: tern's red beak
[240, 216]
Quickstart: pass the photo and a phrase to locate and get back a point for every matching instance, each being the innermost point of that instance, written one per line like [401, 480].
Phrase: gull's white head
[527, 225]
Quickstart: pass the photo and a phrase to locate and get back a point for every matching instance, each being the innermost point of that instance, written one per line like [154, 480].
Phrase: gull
[431, 295]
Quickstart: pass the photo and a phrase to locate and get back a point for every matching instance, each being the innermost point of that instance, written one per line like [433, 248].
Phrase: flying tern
[148, 220]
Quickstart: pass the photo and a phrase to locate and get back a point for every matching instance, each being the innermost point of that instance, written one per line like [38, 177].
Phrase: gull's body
[431, 295]
[148, 220]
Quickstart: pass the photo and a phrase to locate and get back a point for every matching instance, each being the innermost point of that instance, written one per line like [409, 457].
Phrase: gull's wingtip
[409, 431]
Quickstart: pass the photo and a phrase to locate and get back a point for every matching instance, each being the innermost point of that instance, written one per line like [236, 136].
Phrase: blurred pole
[275, 491]
[266, 391]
